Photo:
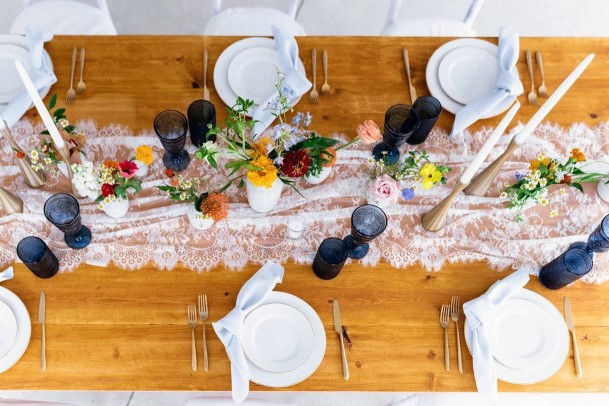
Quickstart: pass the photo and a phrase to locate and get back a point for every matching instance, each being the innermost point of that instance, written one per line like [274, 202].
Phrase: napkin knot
[506, 80]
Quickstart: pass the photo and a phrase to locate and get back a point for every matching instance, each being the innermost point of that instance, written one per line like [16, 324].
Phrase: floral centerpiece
[143, 159]
[206, 208]
[402, 179]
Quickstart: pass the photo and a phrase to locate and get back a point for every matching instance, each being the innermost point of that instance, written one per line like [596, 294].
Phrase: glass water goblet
[401, 121]
[171, 127]
[63, 211]
[367, 223]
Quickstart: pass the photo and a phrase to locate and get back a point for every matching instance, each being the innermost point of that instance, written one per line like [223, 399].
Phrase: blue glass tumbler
[37, 256]
[567, 268]
[599, 239]
[330, 258]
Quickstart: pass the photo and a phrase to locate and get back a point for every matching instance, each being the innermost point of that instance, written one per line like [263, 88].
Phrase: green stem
[354, 140]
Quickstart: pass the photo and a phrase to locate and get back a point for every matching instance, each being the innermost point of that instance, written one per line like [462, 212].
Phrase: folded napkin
[6, 274]
[42, 75]
[507, 85]
[228, 329]
[479, 313]
[295, 84]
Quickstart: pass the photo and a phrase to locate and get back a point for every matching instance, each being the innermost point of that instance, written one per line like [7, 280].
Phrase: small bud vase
[142, 169]
[323, 175]
[198, 220]
[115, 208]
[263, 199]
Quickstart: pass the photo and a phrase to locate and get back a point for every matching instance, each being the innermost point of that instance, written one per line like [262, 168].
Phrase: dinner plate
[24, 329]
[8, 328]
[433, 81]
[282, 379]
[277, 337]
[10, 82]
[544, 369]
[226, 93]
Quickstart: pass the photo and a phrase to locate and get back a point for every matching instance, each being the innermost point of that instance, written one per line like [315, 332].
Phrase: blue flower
[407, 193]
[519, 176]
[307, 120]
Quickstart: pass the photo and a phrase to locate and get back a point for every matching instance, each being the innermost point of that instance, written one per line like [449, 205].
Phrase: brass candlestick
[9, 202]
[435, 218]
[65, 156]
[31, 177]
[480, 184]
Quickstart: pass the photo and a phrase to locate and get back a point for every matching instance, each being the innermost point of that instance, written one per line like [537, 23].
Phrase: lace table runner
[157, 230]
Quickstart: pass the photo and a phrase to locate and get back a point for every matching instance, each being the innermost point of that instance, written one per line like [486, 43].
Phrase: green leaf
[53, 101]
[577, 186]
[241, 184]
[212, 161]
[59, 113]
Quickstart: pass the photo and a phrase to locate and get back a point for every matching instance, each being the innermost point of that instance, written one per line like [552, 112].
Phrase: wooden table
[110, 329]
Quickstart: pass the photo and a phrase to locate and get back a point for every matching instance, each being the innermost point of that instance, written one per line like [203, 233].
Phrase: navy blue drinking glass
[171, 127]
[37, 256]
[567, 268]
[330, 258]
[367, 223]
[599, 239]
[201, 113]
[428, 109]
[63, 211]
[401, 121]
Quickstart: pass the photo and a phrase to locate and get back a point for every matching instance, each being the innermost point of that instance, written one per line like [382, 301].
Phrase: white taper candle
[486, 149]
[552, 100]
[42, 110]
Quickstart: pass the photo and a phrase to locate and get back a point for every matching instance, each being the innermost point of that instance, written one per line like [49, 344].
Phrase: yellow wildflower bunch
[143, 153]
[266, 175]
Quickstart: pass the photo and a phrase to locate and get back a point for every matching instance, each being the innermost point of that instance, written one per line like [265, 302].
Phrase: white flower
[63, 123]
[562, 191]
[47, 160]
[560, 175]
[183, 196]
[543, 182]
[554, 213]
[543, 201]
[503, 195]
[34, 155]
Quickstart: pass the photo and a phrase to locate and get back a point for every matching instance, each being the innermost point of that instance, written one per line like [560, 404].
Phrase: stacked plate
[462, 71]
[15, 47]
[248, 69]
[15, 329]
[528, 337]
[284, 341]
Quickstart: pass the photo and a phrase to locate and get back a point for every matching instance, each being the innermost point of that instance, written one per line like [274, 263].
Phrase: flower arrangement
[143, 153]
[402, 178]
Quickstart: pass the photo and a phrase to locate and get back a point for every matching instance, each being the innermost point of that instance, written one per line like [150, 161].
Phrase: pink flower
[368, 132]
[384, 190]
[127, 169]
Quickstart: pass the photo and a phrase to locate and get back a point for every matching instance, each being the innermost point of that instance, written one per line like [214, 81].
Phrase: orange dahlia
[215, 206]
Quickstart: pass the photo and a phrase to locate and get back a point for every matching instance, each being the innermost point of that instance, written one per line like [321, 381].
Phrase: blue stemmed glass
[367, 223]
[171, 127]
[63, 211]
[401, 121]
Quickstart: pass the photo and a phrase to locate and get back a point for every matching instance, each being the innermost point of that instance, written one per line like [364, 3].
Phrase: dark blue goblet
[401, 121]
[63, 211]
[37, 256]
[367, 223]
[171, 127]
[598, 241]
[330, 258]
[567, 268]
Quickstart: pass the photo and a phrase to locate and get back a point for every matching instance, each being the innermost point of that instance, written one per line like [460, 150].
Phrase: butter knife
[338, 327]
[41, 320]
[412, 90]
[571, 327]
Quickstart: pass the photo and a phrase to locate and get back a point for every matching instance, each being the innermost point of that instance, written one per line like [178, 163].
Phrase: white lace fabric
[156, 230]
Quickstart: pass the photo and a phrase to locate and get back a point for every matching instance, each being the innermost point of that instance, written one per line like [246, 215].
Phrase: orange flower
[111, 164]
[215, 206]
[534, 165]
[546, 161]
[577, 155]
[261, 147]
[329, 156]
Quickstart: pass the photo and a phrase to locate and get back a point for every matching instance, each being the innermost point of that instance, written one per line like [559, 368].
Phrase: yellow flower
[578, 155]
[534, 165]
[546, 161]
[143, 153]
[262, 147]
[264, 177]
[431, 175]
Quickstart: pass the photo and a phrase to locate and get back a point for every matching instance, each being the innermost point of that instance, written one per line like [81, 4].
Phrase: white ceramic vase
[198, 220]
[142, 169]
[117, 208]
[262, 199]
[602, 189]
[323, 175]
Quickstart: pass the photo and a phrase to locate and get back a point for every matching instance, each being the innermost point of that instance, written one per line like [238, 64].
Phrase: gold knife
[571, 327]
[413, 91]
[41, 320]
[338, 327]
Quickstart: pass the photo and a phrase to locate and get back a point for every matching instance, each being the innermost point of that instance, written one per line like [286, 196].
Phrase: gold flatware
[205, 89]
[571, 327]
[192, 323]
[82, 86]
[203, 314]
[41, 320]
[411, 89]
[71, 96]
[444, 317]
[532, 96]
[325, 88]
[543, 90]
[338, 327]
[313, 95]
[455, 312]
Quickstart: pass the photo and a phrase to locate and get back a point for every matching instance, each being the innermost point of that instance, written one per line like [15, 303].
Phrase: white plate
[543, 371]
[277, 337]
[8, 328]
[252, 73]
[433, 82]
[24, 329]
[278, 380]
[467, 74]
[221, 84]
[10, 82]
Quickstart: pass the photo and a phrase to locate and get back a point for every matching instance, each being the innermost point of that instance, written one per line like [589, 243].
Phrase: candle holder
[63, 211]
[171, 127]
[435, 218]
[9, 202]
[401, 121]
[480, 184]
[367, 223]
[32, 178]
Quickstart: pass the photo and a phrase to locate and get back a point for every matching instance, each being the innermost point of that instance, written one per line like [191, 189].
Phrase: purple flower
[407, 193]
[519, 176]
[307, 119]
[297, 119]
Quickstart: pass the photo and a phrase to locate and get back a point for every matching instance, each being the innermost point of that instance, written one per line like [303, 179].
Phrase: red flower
[107, 189]
[169, 172]
[295, 163]
[20, 154]
[127, 169]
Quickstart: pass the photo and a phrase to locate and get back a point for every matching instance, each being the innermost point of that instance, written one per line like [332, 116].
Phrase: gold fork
[454, 315]
[543, 90]
[71, 96]
[313, 95]
[532, 96]
[325, 88]
[81, 87]
[444, 318]
[205, 89]
[192, 323]
[203, 314]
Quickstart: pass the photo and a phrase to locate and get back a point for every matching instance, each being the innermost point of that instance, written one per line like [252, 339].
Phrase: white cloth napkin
[295, 84]
[479, 313]
[6, 274]
[42, 75]
[229, 328]
[507, 84]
